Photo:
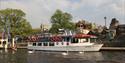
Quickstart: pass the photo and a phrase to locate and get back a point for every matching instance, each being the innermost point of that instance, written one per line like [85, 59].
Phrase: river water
[22, 56]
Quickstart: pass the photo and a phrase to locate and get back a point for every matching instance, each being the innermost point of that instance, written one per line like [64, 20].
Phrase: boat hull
[95, 47]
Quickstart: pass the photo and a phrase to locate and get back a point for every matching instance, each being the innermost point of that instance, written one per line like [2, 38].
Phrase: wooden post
[13, 44]
[6, 45]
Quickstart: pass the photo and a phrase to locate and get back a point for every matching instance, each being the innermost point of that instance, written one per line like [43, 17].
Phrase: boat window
[57, 43]
[62, 43]
[45, 44]
[34, 44]
[39, 44]
[74, 40]
[87, 40]
[92, 40]
[64, 39]
[4, 42]
[83, 40]
[51, 44]
[68, 39]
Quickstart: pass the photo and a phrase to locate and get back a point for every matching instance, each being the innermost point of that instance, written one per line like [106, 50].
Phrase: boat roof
[84, 36]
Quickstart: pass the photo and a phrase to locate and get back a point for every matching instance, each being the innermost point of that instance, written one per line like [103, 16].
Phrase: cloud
[40, 11]
[94, 11]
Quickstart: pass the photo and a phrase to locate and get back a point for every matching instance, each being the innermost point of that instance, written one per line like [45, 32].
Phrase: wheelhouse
[82, 38]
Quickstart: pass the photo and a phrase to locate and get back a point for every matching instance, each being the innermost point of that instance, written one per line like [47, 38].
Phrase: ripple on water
[22, 56]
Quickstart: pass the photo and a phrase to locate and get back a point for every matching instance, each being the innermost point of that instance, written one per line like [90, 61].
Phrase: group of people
[37, 38]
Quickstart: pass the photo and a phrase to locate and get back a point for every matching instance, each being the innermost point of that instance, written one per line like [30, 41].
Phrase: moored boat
[4, 43]
[78, 42]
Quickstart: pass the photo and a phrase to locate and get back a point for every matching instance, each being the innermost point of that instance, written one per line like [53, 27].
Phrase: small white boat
[78, 42]
[4, 43]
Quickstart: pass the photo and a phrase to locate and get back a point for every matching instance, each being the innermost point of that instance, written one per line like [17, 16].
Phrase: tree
[54, 28]
[13, 20]
[61, 20]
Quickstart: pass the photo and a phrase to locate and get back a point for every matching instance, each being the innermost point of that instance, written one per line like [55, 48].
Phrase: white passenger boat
[78, 42]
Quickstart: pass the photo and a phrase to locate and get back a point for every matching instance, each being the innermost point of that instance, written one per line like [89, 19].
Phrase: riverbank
[113, 48]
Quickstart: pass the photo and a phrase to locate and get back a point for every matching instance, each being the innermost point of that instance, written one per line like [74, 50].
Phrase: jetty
[113, 48]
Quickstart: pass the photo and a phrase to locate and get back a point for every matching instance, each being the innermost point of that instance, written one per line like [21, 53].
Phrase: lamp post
[105, 20]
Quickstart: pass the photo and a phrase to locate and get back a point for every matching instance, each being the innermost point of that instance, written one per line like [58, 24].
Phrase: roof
[84, 36]
[122, 25]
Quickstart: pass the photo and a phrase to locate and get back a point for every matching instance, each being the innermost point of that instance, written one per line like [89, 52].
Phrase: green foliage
[15, 20]
[54, 28]
[61, 20]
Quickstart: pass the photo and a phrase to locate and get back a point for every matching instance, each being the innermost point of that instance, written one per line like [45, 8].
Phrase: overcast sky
[40, 11]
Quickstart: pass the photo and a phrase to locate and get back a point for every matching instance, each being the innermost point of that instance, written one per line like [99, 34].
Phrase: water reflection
[11, 56]
[22, 56]
[75, 57]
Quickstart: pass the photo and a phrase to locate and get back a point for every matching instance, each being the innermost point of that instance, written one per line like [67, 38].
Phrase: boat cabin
[82, 38]
[52, 41]
[63, 40]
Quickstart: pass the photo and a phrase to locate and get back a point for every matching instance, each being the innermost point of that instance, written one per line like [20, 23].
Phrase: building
[120, 29]
[114, 24]
[82, 27]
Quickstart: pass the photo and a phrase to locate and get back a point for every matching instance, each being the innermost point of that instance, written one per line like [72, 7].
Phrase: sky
[40, 11]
